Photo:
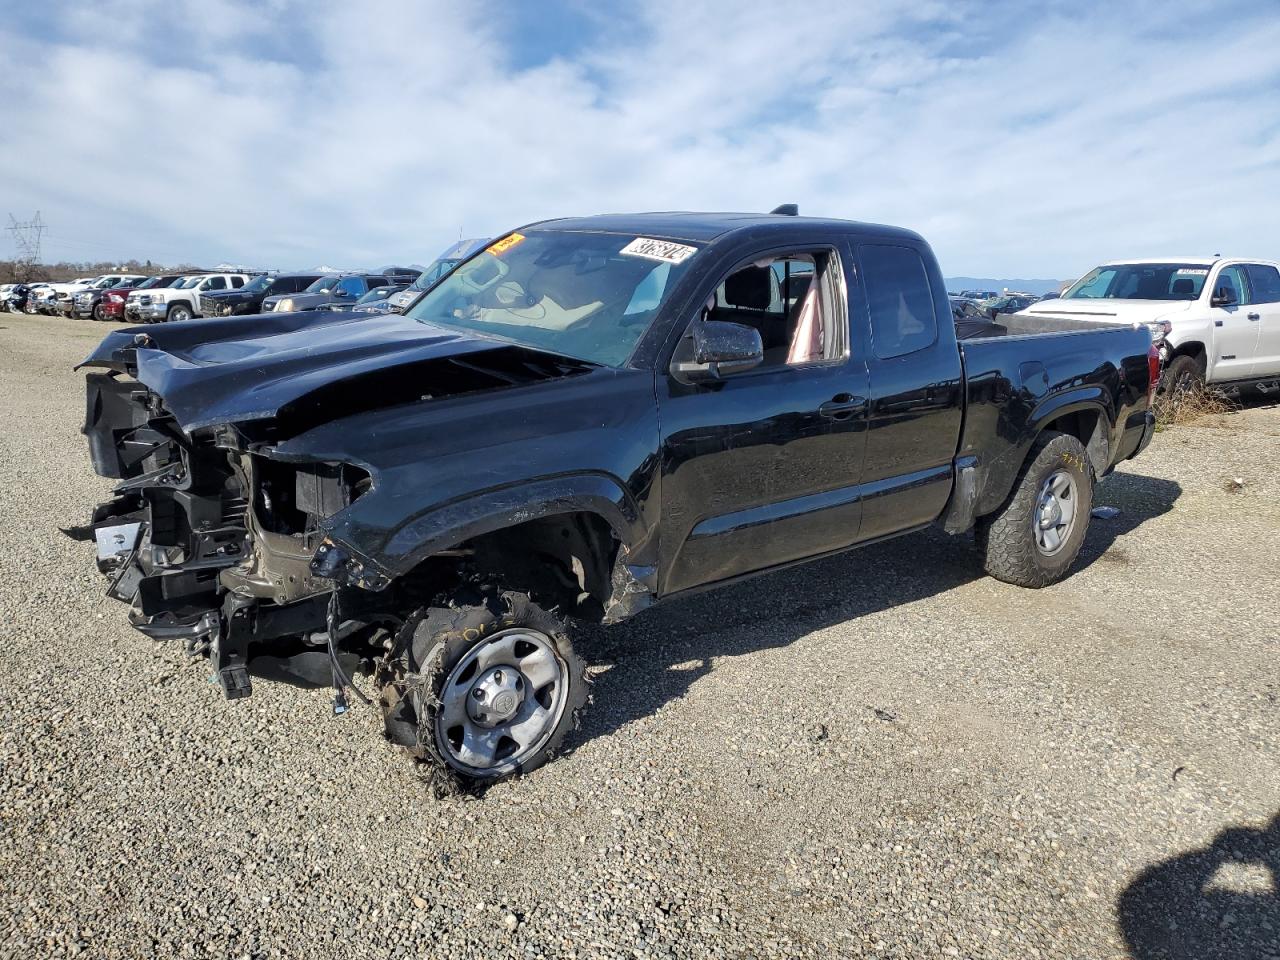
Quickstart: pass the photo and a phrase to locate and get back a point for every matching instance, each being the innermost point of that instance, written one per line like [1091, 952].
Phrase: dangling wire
[340, 679]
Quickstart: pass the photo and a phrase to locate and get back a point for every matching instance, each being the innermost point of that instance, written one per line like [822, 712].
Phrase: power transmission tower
[26, 237]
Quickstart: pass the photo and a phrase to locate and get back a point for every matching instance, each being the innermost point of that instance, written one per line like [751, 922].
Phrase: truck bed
[1037, 370]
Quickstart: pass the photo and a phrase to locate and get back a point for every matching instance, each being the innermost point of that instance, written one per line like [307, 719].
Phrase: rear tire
[1026, 543]
[437, 707]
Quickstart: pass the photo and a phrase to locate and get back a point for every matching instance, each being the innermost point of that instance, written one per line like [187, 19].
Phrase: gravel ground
[884, 754]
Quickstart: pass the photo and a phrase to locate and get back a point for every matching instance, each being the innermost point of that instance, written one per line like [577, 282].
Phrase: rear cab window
[899, 300]
[1264, 281]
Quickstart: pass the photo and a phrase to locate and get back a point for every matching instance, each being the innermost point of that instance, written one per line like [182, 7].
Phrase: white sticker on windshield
[663, 250]
[1192, 271]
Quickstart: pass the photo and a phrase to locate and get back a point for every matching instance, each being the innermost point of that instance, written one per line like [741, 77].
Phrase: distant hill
[956, 284]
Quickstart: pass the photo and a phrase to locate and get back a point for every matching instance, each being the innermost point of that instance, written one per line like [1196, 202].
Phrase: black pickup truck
[587, 416]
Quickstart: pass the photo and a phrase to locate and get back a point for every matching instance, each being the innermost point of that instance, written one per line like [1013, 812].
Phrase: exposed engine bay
[214, 543]
[217, 538]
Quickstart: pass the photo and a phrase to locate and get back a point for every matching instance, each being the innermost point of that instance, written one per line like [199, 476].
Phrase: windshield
[583, 295]
[148, 283]
[188, 283]
[323, 285]
[257, 284]
[1140, 281]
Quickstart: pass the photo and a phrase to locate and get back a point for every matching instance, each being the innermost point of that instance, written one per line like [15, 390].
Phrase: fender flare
[997, 476]
[447, 525]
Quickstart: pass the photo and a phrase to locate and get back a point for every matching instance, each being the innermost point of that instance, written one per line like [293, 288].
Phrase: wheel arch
[1084, 413]
[579, 537]
[1089, 423]
[1194, 349]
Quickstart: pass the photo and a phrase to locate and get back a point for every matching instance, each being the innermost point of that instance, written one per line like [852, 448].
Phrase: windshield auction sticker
[663, 250]
[505, 244]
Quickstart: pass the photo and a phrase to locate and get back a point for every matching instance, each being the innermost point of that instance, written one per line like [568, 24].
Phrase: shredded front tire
[488, 690]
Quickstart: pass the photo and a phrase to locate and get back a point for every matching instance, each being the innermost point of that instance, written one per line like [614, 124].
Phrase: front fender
[441, 527]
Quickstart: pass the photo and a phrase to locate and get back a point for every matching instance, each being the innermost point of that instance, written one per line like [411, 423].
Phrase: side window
[237, 282]
[793, 300]
[899, 300]
[1265, 282]
[1232, 277]
[215, 283]
[352, 285]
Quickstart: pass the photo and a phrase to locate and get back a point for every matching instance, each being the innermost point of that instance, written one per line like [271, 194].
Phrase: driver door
[761, 467]
[1235, 335]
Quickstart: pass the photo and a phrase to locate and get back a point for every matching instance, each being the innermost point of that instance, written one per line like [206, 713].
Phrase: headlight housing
[286, 304]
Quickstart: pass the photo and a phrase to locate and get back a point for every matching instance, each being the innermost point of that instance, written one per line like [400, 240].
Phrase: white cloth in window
[807, 341]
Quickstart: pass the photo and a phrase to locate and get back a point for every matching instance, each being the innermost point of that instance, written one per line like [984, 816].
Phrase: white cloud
[287, 134]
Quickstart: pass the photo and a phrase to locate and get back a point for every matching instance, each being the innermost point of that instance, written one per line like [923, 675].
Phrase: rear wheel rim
[1056, 512]
[501, 703]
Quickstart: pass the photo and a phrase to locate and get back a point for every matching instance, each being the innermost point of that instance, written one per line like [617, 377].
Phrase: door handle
[1255, 316]
[842, 406]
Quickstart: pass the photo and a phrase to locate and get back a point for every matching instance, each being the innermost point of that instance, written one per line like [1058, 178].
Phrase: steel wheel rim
[1056, 511]
[501, 702]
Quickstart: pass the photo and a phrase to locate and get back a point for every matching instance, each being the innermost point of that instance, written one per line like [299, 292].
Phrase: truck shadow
[1221, 902]
[775, 609]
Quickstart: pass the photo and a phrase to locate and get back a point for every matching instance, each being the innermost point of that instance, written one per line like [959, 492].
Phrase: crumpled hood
[1110, 311]
[236, 369]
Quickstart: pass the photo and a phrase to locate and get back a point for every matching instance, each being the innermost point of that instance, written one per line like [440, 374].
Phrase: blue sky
[1021, 140]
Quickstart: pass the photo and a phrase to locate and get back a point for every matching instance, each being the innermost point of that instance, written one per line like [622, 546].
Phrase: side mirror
[719, 349]
[1223, 297]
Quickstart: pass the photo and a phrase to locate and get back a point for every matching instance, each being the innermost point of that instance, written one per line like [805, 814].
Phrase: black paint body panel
[703, 483]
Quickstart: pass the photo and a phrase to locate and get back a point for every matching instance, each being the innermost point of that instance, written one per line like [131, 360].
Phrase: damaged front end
[292, 492]
[213, 542]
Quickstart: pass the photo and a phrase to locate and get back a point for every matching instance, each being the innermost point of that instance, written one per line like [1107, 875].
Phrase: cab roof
[1189, 261]
[705, 227]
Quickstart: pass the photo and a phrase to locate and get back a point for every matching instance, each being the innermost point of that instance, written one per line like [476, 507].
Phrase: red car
[111, 306]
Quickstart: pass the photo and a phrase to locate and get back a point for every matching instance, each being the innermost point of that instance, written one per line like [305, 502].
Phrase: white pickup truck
[1220, 317]
[181, 301]
[64, 294]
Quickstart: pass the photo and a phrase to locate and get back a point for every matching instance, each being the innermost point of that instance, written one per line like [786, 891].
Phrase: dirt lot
[884, 754]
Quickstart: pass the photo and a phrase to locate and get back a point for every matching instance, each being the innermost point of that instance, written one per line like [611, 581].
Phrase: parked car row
[61, 297]
[185, 295]
[336, 289]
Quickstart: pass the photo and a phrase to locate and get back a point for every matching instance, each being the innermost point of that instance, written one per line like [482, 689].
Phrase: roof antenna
[787, 210]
